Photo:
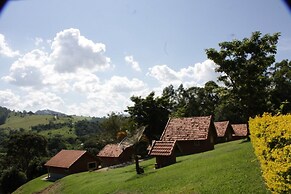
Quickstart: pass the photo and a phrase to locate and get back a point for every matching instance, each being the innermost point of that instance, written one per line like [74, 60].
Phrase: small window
[92, 165]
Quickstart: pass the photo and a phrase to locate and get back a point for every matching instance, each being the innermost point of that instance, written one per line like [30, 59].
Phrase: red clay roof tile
[111, 150]
[221, 127]
[188, 128]
[240, 130]
[65, 158]
[162, 148]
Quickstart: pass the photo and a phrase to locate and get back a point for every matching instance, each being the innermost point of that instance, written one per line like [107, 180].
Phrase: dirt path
[50, 189]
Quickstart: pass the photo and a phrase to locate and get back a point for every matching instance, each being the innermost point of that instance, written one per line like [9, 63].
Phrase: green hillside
[25, 122]
[230, 168]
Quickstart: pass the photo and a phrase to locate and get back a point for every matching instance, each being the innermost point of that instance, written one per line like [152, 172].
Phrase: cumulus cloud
[34, 100]
[38, 100]
[72, 51]
[86, 82]
[119, 84]
[27, 70]
[71, 55]
[134, 64]
[9, 99]
[197, 75]
[164, 74]
[5, 49]
[103, 97]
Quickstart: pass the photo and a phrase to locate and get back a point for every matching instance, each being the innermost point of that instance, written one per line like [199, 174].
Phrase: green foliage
[281, 86]
[51, 125]
[36, 168]
[152, 112]
[85, 127]
[244, 65]
[95, 143]
[55, 144]
[11, 179]
[230, 168]
[22, 148]
[113, 123]
[4, 112]
[271, 138]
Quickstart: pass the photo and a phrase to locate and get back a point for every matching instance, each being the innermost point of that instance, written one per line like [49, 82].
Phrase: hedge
[271, 139]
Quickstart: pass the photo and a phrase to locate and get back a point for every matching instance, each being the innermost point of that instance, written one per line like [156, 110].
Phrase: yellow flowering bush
[271, 139]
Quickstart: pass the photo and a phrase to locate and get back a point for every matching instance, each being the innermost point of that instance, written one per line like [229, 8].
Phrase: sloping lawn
[34, 185]
[230, 168]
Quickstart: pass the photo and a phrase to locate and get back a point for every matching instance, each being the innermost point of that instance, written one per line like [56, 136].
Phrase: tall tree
[152, 112]
[244, 66]
[281, 86]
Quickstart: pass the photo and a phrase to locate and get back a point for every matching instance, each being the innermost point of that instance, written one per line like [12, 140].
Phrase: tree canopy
[244, 66]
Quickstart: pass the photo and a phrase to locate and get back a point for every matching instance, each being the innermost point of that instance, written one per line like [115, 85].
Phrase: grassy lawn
[34, 185]
[230, 168]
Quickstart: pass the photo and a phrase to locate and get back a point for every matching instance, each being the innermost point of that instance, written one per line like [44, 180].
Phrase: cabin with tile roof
[240, 131]
[224, 131]
[164, 151]
[192, 134]
[113, 154]
[69, 162]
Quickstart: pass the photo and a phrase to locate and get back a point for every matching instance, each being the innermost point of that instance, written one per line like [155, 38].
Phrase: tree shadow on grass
[139, 176]
[245, 141]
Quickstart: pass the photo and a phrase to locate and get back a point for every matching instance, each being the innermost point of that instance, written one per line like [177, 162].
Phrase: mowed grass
[34, 185]
[230, 168]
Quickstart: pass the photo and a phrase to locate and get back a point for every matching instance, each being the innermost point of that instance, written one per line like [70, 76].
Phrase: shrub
[271, 139]
[12, 179]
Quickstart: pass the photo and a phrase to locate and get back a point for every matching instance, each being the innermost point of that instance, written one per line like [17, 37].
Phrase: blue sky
[88, 57]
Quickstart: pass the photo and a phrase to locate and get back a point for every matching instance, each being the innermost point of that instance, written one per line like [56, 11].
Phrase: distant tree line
[50, 126]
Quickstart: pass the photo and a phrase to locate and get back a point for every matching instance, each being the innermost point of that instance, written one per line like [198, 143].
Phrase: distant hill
[49, 112]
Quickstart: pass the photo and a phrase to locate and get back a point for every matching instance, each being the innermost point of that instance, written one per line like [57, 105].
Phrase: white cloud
[27, 71]
[39, 100]
[86, 82]
[5, 49]
[164, 74]
[123, 85]
[71, 51]
[9, 99]
[197, 74]
[134, 64]
[107, 96]
[30, 101]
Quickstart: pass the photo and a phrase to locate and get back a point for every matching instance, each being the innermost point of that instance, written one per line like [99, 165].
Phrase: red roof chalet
[240, 131]
[193, 134]
[190, 134]
[164, 152]
[224, 131]
[70, 161]
[113, 154]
